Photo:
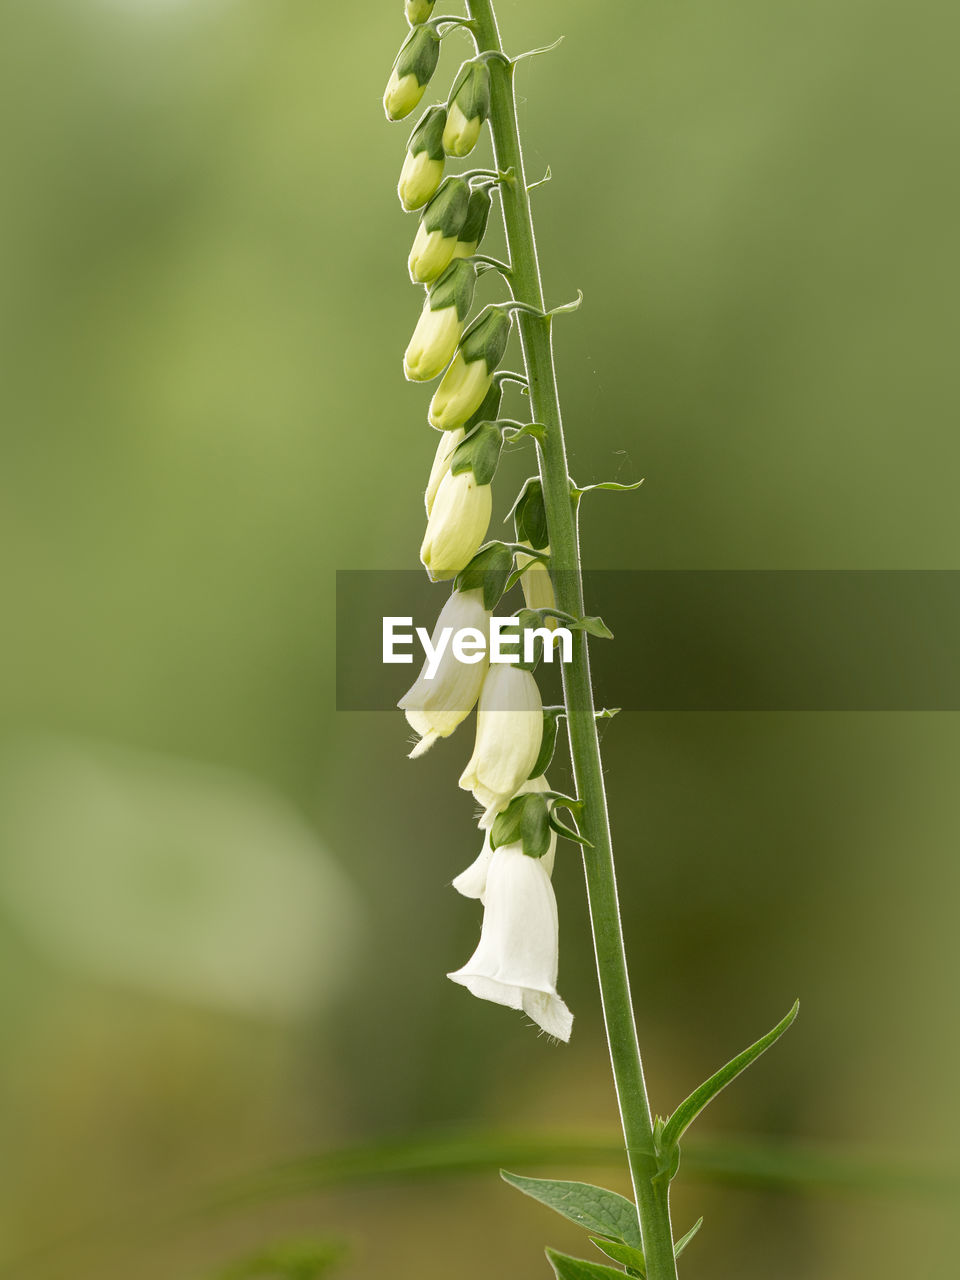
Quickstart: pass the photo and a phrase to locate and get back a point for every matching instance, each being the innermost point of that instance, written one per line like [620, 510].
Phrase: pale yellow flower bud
[457, 525]
[466, 248]
[441, 464]
[460, 134]
[401, 95]
[418, 10]
[537, 584]
[433, 343]
[460, 393]
[420, 175]
[509, 734]
[431, 254]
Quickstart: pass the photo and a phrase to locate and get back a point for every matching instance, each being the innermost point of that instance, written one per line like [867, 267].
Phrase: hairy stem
[535, 333]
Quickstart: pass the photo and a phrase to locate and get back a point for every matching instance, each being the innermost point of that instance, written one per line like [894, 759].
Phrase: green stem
[535, 333]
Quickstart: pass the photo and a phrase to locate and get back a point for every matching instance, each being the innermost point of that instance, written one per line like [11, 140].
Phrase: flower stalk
[516, 961]
[652, 1193]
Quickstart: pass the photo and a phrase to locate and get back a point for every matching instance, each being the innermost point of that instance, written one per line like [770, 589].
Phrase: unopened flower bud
[418, 11]
[450, 440]
[457, 525]
[422, 169]
[436, 703]
[470, 376]
[537, 585]
[467, 108]
[509, 733]
[441, 323]
[437, 236]
[441, 464]
[474, 224]
[415, 64]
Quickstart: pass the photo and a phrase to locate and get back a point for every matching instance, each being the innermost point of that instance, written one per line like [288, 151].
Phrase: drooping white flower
[456, 526]
[435, 706]
[516, 962]
[509, 733]
[472, 882]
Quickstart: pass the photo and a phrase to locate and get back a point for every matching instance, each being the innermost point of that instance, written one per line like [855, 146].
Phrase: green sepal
[418, 11]
[489, 409]
[684, 1240]
[631, 1258]
[592, 625]
[530, 515]
[533, 558]
[567, 1268]
[478, 212]
[525, 821]
[471, 90]
[548, 743]
[454, 287]
[668, 1134]
[448, 208]
[602, 1212]
[487, 571]
[419, 54]
[428, 134]
[486, 339]
[479, 452]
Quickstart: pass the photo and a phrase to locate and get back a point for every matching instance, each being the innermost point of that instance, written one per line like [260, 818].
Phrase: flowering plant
[516, 961]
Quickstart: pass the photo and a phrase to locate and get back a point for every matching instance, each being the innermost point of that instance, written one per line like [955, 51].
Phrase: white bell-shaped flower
[516, 961]
[472, 882]
[435, 706]
[509, 733]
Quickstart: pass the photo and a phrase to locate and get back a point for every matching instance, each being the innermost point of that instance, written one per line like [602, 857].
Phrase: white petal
[472, 883]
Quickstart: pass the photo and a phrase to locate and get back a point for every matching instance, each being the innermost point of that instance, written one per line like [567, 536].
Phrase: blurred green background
[225, 917]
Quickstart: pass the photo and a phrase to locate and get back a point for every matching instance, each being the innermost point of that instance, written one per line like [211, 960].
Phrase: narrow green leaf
[610, 484]
[689, 1109]
[682, 1243]
[603, 1212]
[595, 627]
[631, 1258]
[567, 1268]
